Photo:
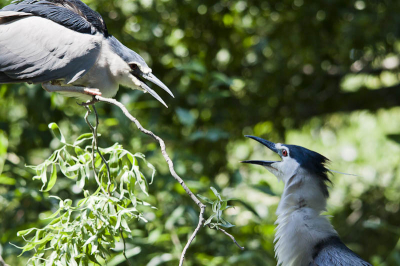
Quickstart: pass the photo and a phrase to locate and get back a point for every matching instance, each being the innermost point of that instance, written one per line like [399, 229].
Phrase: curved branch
[169, 162]
[231, 236]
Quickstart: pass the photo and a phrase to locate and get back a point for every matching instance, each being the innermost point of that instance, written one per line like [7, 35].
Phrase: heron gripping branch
[65, 46]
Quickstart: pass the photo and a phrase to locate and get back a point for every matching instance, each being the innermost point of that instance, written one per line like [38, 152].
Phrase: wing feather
[72, 14]
[333, 252]
[38, 50]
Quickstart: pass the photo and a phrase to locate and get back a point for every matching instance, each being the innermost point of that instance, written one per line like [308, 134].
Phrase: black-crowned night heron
[65, 46]
[304, 237]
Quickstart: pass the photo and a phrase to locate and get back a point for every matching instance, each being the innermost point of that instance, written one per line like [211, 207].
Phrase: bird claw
[89, 102]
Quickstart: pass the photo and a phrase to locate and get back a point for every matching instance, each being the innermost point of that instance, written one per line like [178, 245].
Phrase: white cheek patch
[289, 167]
[273, 169]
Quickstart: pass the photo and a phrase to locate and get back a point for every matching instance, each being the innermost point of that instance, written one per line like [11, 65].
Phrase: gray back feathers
[332, 252]
[42, 41]
[72, 14]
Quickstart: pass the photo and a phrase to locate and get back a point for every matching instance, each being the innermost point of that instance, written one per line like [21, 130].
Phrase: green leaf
[205, 199]
[119, 259]
[216, 193]
[226, 207]
[209, 219]
[125, 225]
[83, 138]
[57, 132]
[55, 197]
[214, 206]
[81, 181]
[81, 154]
[113, 163]
[72, 261]
[26, 232]
[90, 240]
[43, 177]
[52, 216]
[131, 159]
[116, 146]
[144, 186]
[226, 224]
[53, 178]
[223, 205]
[149, 165]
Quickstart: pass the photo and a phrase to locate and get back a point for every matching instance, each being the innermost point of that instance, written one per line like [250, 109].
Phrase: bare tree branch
[123, 240]
[94, 145]
[201, 222]
[226, 233]
[169, 162]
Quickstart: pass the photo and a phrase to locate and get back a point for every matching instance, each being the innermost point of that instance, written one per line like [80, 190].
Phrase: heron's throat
[300, 225]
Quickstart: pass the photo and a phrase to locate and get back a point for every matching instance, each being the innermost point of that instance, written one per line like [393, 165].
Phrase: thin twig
[170, 165]
[226, 233]
[101, 155]
[94, 145]
[199, 225]
[124, 250]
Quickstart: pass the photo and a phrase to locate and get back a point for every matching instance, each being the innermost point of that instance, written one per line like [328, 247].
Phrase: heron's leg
[58, 88]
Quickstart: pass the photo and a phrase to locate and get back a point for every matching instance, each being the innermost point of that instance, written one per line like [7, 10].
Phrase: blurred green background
[320, 74]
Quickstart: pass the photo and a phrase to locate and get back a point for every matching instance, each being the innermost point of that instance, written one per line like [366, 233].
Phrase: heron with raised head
[65, 46]
[304, 237]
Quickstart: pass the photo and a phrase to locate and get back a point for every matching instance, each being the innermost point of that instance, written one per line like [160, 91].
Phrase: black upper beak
[150, 77]
[270, 145]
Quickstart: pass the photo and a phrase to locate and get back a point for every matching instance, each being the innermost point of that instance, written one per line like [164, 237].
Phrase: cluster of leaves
[218, 206]
[85, 233]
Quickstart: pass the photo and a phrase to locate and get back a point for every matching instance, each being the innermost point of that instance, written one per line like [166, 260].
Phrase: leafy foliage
[218, 206]
[85, 233]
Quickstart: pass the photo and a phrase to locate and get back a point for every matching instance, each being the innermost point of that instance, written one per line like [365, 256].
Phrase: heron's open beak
[150, 77]
[270, 145]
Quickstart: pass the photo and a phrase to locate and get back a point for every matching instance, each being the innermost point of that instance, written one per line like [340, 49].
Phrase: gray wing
[72, 14]
[35, 49]
[332, 252]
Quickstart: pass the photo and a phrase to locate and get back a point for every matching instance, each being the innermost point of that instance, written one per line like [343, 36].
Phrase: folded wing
[36, 49]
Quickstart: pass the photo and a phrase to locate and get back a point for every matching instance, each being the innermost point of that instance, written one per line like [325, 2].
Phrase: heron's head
[293, 160]
[138, 70]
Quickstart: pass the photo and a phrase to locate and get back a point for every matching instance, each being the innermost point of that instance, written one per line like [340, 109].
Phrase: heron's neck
[300, 225]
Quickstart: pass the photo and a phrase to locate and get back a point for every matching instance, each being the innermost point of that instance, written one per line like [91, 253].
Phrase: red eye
[133, 66]
[284, 153]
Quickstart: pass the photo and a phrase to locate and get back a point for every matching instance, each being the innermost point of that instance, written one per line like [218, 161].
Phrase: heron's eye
[284, 153]
[133, 66]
